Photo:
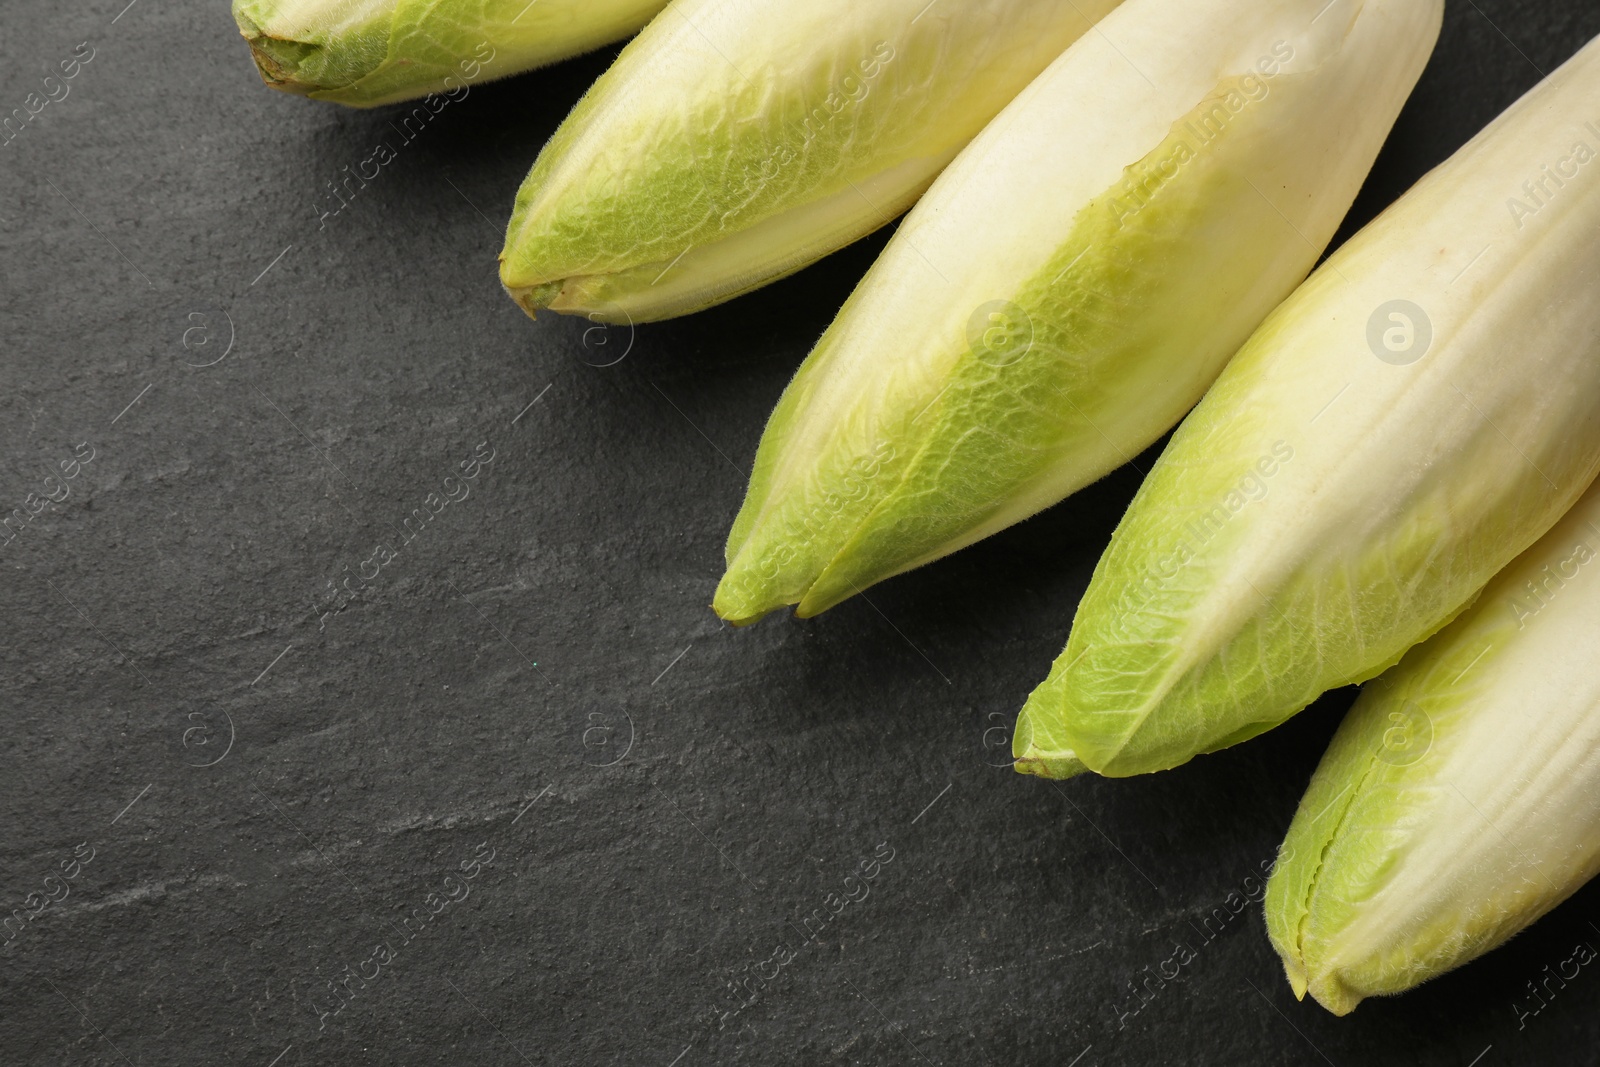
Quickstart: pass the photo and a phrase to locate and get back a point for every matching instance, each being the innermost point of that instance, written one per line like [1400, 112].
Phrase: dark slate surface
[534, 692]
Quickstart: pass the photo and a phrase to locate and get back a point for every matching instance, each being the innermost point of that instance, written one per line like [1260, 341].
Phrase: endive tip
[735, 608]
[1334, 995]
[1296, 974]
[533, 298]
[277, 60]
[1057, 767]
[736, 622]
[810, 607]
[1327, 990]
[1032, 759]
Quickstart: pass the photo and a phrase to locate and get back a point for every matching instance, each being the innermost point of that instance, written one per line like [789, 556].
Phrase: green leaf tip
[1036, 755]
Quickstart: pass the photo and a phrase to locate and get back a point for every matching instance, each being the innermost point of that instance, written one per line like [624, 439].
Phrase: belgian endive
[1071, 284]
[368, 52]
[736, 141]
[1460, 800]
[1421, 411]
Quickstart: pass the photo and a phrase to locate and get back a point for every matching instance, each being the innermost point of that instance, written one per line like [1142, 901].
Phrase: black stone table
[506, 792]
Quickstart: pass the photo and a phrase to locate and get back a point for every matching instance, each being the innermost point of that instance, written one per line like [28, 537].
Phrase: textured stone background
[266, 795]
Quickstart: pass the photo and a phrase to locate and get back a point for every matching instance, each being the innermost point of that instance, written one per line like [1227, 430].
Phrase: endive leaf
[1417, 414]
[1458, 801]
[368, 52]
[736, 141]
[1072, 283]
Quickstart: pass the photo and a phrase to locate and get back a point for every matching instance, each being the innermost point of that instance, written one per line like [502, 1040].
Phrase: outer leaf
[369, 52]
[1072, 284]
[1362, 468]
[1459, 800]
[736, 141]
